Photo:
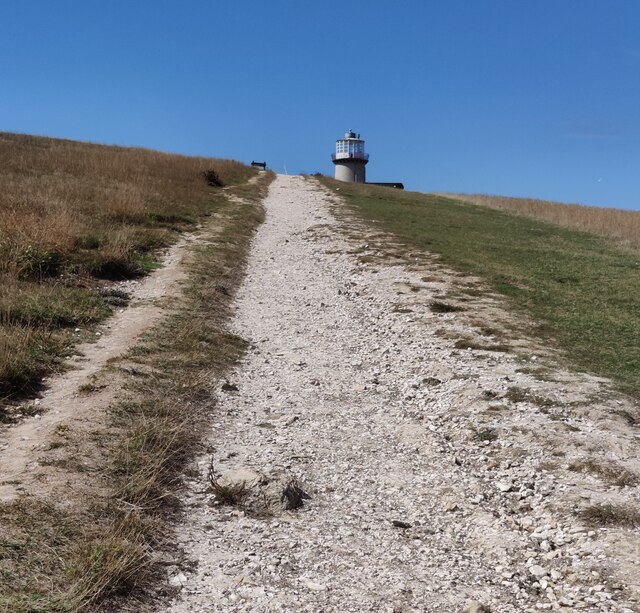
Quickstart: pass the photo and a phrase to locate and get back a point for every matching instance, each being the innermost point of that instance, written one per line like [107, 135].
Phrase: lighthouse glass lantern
[350, 159]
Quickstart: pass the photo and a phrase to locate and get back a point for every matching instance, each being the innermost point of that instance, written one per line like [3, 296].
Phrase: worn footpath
[439, 478]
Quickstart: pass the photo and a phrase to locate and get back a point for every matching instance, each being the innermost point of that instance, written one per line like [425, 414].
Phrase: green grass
[583, 290]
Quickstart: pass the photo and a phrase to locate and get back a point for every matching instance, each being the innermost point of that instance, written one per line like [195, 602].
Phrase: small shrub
[211, 178]
[488, 434]
[36, 263]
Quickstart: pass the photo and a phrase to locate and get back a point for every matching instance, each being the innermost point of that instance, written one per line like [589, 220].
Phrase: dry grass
[232, 494]
[76, 207]
[621, 226]
[74, 216]
[91, 555]
[95, 555]
[608, 471]
[615, 515]
[443, 307]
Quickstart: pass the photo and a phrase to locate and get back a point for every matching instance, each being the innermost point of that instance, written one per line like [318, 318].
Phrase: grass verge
[583, 289]
[103, 554]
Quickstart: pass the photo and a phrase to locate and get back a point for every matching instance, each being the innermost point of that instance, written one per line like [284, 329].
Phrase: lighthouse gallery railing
[346, 156]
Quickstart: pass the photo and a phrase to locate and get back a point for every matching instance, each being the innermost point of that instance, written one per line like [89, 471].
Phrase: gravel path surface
[432, 486]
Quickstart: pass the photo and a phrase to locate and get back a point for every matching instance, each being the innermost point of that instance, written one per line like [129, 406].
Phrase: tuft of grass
[466, 343]
[111, 565]
[517, 394]
[488, 434]
[582, 288]
[26, 356]
[607, 471]
[444, 307]
[607, 514]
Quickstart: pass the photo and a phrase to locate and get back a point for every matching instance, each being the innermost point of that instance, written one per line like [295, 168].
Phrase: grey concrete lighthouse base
[350, 171]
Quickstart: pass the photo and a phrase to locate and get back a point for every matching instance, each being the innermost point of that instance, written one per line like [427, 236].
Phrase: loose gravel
[438, 478]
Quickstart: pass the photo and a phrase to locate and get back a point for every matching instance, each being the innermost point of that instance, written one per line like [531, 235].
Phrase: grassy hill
[74, 216]
[100, 496]
[617, 224]
[584, 289]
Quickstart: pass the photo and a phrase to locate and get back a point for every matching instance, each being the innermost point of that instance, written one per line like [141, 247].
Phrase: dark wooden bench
[262, 165]
[396, 185]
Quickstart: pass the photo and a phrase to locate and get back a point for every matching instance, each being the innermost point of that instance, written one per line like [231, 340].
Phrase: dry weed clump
[607, 514]
[619, 225]
[608, 471]
[232, 494]
[443, 307]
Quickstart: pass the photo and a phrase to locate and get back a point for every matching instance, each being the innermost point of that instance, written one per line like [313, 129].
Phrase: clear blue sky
[535, 98]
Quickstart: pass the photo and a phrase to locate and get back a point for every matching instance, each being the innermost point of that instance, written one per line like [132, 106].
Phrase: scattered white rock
[178, 580]
[474, 606]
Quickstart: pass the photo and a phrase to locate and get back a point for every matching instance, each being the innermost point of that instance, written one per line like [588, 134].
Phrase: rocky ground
[379, 450]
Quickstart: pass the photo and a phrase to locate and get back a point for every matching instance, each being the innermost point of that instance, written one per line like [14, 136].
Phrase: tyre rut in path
[357, 398]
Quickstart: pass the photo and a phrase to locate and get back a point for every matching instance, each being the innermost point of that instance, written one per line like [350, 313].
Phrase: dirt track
[437, 475]
[27, 456]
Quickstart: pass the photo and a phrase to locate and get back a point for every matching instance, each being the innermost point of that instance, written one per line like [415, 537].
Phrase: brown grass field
[74, 216]
[621, 226]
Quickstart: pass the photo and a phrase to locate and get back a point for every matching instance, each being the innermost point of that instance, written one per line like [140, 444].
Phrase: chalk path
[351, 388]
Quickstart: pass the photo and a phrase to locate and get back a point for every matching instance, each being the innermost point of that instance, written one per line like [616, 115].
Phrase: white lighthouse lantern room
[350, 158]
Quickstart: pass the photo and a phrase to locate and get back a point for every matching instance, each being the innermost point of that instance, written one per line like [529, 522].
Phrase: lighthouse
[350, 158]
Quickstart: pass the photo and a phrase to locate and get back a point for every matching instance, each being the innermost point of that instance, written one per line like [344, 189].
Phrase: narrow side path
[22, 445]
[402, 517]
